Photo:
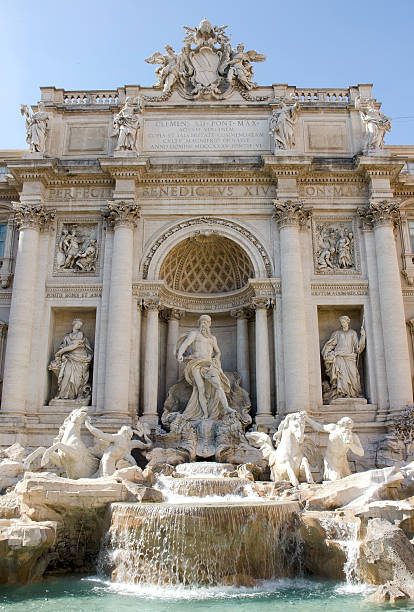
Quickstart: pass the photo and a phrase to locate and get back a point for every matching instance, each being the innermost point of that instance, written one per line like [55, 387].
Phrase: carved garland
[210, 221]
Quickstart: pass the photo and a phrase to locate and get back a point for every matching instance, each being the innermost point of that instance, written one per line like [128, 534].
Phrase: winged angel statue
[207, 65]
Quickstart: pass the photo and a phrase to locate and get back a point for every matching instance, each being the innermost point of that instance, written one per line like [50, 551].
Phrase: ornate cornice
[291, 213]
[73, 291]
[122, 213]
[34, 216]
[328, 289]
[380, 212]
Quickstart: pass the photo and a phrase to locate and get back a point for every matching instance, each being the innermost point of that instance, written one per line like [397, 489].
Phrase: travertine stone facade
[274, 209]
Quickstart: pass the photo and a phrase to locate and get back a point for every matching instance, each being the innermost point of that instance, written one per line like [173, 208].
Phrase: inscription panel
[86, 138]
[191, 135]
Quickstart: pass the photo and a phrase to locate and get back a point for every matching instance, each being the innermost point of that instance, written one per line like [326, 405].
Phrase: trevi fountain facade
[207, 322]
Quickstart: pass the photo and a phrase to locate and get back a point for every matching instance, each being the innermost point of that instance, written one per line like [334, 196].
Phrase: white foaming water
[188, 593]
[204, 469]
[212, 490]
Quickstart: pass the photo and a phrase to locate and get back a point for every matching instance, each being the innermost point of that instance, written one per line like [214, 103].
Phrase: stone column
[264, 409]
[31, 218]
[243, 361]
[383, 216]
[291, 215]
[121, 216]
[173, 317]
[150, 413]
[3, 338]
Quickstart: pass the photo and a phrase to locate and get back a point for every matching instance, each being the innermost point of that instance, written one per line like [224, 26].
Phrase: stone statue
[282, 124]
[334, 250]
[288, 461]
[239, 66]
[126, 125]
[77, 249]
[341, 439]
[68, 450]
[71, 365]
[207, 65]
[203, 372]
[119, 446]
[376, 124]
[36, 127]
[169, 70]
[340, 354]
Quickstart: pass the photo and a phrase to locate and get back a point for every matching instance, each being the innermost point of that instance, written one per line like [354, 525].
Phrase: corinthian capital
[32, 215]
[290, 212]
[122, 213]
[380, 212]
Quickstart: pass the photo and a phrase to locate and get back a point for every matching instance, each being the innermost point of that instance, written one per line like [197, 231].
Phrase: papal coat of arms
[207, 66]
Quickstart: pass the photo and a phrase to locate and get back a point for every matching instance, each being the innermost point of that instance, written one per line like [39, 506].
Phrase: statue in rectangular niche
[334, 248]
[77, 248]
[71, 365]
[341, 356]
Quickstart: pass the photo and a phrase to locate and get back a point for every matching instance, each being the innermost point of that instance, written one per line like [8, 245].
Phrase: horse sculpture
[287, 461]
[69, 451]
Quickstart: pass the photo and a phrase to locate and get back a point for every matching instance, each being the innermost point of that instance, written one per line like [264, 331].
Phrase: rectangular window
[411, 232]
[3, 229]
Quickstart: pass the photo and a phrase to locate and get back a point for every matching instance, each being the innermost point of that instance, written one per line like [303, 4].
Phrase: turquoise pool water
[74, 594]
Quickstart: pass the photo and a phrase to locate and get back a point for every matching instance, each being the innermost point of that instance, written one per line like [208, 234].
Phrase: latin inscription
[79, 193]
[332, 191]
[206, 191]
[206, 135]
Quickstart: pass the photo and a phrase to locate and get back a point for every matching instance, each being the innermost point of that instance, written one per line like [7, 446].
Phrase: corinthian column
[173, 317]
[121, 216]
[291, 215]
[264, 409]
[31, 218]
[243, 361]
[150, 413]
[382, 217]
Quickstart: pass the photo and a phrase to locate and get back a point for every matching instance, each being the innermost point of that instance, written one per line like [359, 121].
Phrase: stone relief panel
[77, 248]
[334, 246]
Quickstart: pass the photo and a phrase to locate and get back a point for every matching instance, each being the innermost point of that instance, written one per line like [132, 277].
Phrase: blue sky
[99, 44]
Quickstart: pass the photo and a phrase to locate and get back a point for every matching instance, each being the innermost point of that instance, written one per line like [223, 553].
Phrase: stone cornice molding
[122, 213]
[73, 291]
[36, 170]
[380, 212]
[125, 168]
[291, 213]
[34, 216]
[339, 288]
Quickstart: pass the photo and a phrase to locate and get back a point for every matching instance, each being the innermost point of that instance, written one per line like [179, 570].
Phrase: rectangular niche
[60, 326]
[328, 322]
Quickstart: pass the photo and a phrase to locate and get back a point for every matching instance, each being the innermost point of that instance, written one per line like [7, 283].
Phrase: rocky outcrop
[353, 491]
[24, 549]
[78, 511]
[387, 556]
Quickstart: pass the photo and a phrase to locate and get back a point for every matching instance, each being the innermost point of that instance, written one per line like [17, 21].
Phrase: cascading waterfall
[346, 536]
[200, 544]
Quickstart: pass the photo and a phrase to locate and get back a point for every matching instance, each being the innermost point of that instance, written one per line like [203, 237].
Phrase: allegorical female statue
[71, 365]
[340, 354]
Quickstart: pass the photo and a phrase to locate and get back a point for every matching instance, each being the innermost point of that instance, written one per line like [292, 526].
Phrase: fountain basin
[201, 544]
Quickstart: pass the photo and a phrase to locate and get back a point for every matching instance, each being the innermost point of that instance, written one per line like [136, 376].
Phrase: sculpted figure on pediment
[375, 122]
[77, 248]
[126, 125]
[36, 127]
[207, 66]
[282, 124]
